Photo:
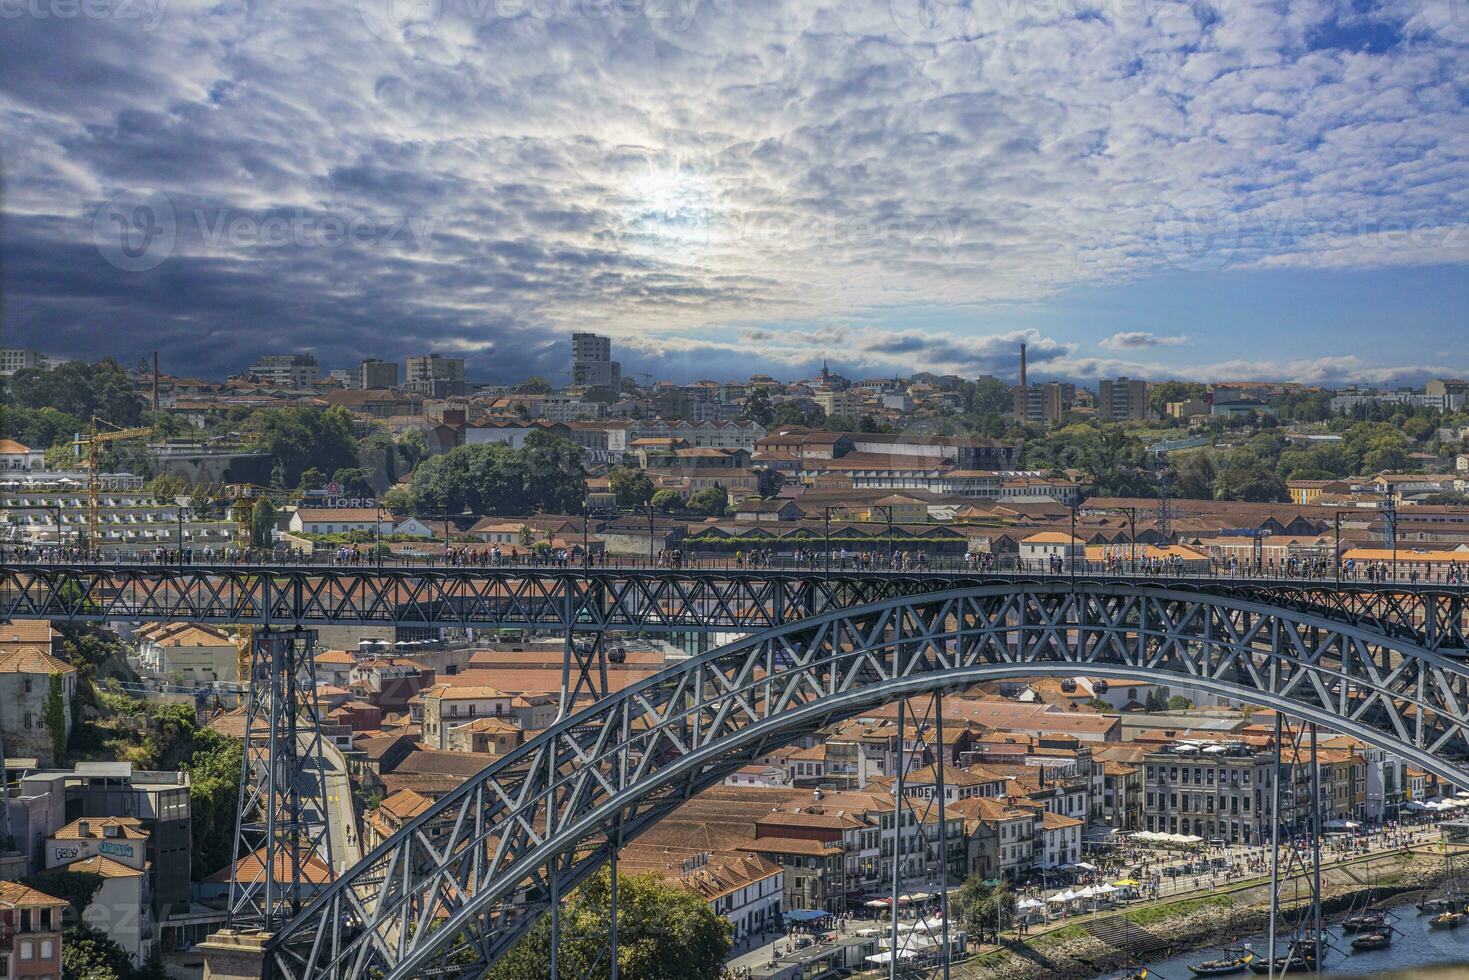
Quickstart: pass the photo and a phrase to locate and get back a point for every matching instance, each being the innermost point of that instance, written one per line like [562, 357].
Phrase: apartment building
[592, 365]
[376, 374]
[1122, 399]
[287, 370]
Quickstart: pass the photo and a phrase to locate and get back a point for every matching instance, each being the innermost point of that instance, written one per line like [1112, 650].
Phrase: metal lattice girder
[281, 828]
[1433, 616]
[451, 891]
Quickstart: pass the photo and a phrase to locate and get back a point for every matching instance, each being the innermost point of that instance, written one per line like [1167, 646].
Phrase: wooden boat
[1300, 959]
[1364, 922]
[1378, 939]
[1442, 903]
[1447, 920]
[1222, 967]
[1141, 973]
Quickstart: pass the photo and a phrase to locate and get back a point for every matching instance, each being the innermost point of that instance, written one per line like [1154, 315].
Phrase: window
[46, 949]
[27, 950]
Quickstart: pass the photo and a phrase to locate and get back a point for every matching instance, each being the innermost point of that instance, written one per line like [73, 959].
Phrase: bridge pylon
[283, 850]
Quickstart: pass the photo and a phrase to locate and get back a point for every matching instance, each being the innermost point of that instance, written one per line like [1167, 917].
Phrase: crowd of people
[1119, 562]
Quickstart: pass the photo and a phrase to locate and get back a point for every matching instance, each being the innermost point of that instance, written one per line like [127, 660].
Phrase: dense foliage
[982, 908]
[303, 439]
[544, 475]
[80, 390]
[88, 953]
[664, 933]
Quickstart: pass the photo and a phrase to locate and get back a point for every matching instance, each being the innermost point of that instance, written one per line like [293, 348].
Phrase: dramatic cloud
[1137, 339]
[722, 186]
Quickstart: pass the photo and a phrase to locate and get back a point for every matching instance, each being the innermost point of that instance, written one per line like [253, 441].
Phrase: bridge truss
[645, 600]
[449, 893]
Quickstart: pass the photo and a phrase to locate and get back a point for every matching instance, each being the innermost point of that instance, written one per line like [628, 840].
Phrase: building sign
[331, 496]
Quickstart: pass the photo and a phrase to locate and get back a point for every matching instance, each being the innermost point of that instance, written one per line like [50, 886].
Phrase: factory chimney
[1022, 365]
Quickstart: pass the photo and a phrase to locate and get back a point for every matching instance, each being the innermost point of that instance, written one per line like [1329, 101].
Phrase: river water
[1417, 951]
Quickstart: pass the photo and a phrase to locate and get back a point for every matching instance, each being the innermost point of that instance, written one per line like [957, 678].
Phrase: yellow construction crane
[89, 450]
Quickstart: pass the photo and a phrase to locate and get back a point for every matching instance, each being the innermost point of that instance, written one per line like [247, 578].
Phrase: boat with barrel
[1237, 962]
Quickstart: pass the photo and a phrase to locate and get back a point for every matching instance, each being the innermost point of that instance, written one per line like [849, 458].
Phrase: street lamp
[178, 512]
[826, 534]
[1071, 546]
[888, 510]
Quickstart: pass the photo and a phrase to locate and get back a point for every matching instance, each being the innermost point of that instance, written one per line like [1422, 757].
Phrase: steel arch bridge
[642, 599]
[448, 894]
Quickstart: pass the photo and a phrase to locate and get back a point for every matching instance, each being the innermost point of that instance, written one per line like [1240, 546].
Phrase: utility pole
[897, 845]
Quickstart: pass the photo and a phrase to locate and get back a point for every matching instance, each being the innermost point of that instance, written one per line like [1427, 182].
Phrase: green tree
[664, 933]
[62, 456]
[39, 428]
[77, 887]
[354, 482]
[88, 953]
[299, 439]
[81, 390]
[1156, 700]
[1179, 703]
[982, 907]
[53, 716]
[545, 475]
[757, 408]
[1258, 484]
[1195, 477]
[214, 768]
[632, 487]
[666, 501]
[534, 385]
[710, 501]
[262, 523]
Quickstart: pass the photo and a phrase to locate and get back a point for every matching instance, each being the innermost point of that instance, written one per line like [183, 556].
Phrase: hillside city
[123, 742]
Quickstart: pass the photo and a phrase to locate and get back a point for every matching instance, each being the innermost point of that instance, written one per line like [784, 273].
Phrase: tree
[1195, 477]
[633, 488]
[88, 953]
[982, 907]
[354, 482]
[262, 524]
[214, 789]
[53, 716]
[534, 385]
[299, 439]
[81, 390]
[664, 933]
[1156, 701]
[1179, 703]
[666, 501]
[710, 501]
[62, 456]
[757, 408]
[77, 887]
[491, 478]
[1258, 484]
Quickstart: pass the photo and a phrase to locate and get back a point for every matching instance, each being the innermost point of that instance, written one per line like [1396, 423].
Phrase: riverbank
[1103, 943]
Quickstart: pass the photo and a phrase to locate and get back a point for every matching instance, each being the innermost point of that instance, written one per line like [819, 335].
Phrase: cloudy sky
[1215, 189]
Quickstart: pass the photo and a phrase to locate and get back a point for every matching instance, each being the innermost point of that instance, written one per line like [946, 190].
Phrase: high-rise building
[13, 359]
[376, 374]
[435, 376]
[592, 365]
[1040, 403]
[287, 370]
[1122, 399]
